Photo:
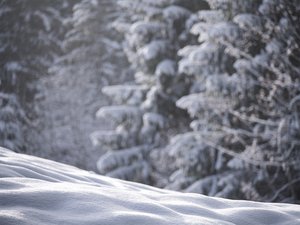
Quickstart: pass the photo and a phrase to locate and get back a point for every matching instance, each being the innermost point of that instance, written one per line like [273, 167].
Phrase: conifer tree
[91, 57]
[11, 117]
[145, 109]
[88, 45]
[244, 103]
[30, 40]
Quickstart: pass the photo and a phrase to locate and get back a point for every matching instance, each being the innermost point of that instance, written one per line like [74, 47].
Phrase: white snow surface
[37, 191]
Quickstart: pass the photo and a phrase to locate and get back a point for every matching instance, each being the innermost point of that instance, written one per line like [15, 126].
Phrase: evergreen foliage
[233, 66]
[89, 43]
[27, 30]
[145, 109]
[244, 103]
[11, 116]
[213, 105]
[71, 93]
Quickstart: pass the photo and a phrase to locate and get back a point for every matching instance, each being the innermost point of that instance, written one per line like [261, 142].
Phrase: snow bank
[38, 191]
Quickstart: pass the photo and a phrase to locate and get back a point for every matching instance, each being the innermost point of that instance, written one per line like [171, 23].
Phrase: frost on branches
[233, 66]
[30, 40]
[145, 108]
[244, 103]
[11, 116]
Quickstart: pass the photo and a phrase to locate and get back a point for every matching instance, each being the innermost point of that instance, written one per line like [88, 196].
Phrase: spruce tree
[30, 38]
[244, 103]
[145, 113]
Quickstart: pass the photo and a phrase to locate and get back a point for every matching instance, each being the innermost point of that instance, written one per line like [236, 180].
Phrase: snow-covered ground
[37, 191]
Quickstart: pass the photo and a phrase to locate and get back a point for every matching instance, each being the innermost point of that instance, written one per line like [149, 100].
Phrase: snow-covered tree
[90, 45]
[244, 102]
[11, 117]
[145, 113]
[30, 40]
[71, 93]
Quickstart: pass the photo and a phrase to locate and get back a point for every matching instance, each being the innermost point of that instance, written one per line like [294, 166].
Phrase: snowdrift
[36, 191]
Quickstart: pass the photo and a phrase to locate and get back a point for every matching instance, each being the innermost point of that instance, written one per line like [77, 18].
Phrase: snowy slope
[38, 191]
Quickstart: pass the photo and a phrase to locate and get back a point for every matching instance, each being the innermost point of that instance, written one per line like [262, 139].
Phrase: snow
[211, 16]
[249, 21]
[140, 31]
[126, 94]
[201, 29]
[39, 191]
[174, 13]
[112, 160]
[119, 113]
[13, 66]
[167, 67]
[106, 139]
[224, 31]
[45, 19]
[153, 50]
[144, 28]
[191, 102]
[153, 119]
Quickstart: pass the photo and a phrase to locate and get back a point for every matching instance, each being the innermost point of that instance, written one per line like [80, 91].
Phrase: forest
[198, 96]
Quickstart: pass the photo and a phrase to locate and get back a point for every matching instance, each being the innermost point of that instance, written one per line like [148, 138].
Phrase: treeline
[214, 107]
[31, 36]
[42, 39]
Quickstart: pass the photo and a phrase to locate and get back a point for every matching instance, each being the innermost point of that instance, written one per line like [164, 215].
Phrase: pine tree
[28, 45]
[11, 117]
[244, 103]
[145, 109]
[89, 43]
[68, 97]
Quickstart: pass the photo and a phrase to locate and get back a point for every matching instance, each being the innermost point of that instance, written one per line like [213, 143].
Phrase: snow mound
[37, 191]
